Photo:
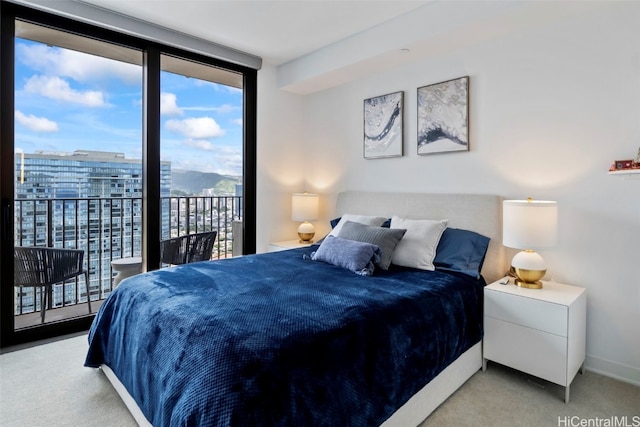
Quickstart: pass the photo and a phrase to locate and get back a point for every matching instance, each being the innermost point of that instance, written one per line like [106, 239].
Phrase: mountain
[185, 182]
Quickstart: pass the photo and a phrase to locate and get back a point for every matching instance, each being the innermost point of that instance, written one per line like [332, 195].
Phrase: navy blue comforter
[276, 340]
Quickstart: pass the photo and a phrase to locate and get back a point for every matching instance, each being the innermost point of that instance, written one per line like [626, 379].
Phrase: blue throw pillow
[335, 222]
[358, 257]
[462, 251]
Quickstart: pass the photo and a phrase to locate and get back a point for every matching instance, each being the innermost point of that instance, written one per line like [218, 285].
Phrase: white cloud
[37, 124]
[59, 89]
[201, 144]
[168, 105]
[227, 108]
[237, 121]
[228, 160]
[220, 159]
[222, 109]
[196, 128]
[79, 66]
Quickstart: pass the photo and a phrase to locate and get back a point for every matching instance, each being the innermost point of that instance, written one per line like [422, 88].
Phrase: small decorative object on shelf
[626, 165]
[622, 164]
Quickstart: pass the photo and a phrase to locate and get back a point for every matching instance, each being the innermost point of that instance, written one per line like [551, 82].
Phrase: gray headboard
[477, 212]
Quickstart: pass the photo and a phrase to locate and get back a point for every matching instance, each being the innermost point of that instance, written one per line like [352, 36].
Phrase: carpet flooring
[46, 385]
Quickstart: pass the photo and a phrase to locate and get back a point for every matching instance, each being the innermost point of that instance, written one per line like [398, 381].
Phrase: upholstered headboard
[477, 212]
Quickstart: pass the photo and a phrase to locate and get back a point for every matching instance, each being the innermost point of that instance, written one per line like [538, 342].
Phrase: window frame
[152, 52]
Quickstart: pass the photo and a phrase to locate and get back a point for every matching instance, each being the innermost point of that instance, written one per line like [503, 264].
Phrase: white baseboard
[618, 371]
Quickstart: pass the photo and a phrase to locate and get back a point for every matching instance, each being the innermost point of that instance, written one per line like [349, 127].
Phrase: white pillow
[417, 249]
[376, 221]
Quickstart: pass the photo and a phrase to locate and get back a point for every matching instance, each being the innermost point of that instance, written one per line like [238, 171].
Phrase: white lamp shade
[529, 224]
[304, 207]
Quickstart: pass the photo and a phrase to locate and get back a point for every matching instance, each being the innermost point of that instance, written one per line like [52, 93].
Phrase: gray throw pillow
[355, 256]
[387, 239]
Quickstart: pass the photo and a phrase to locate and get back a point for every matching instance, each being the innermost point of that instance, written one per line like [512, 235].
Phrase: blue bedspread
[276, 340]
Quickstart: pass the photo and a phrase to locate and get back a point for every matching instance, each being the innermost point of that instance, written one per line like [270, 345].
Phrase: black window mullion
[151, 207]
[249, 180]
[7, 76]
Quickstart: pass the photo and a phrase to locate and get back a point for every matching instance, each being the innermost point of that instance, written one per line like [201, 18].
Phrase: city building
[89, 200]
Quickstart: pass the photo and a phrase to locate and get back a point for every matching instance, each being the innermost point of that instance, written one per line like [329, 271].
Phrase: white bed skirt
[412, 413]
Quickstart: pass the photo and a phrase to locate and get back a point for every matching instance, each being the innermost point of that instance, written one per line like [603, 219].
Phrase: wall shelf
[627, 174]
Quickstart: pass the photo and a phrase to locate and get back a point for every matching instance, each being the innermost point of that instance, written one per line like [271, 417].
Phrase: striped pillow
[385, 238]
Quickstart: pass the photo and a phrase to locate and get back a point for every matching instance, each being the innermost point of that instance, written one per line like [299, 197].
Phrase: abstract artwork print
[383, 126]
[443, 117]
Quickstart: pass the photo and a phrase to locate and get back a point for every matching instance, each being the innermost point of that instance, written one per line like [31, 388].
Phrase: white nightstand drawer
[538, 331]
[539, 353]
[532, 313]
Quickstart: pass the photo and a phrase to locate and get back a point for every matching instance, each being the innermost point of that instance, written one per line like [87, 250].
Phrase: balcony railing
[111, 228]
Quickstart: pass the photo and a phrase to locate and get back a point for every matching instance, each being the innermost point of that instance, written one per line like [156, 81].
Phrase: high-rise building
[89, 200]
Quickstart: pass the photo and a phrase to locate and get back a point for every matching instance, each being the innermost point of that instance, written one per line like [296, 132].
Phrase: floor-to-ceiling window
[201, 137]
[78, 165]
[110, 144]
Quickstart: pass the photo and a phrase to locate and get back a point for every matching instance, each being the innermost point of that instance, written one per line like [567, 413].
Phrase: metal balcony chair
[44, 267]
[188, 248]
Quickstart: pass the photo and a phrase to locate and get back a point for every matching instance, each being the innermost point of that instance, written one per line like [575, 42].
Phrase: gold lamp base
[529, 278]
[306, 237]
[531, 285]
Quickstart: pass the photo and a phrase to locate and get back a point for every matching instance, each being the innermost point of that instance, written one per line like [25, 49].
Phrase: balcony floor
[56, 314]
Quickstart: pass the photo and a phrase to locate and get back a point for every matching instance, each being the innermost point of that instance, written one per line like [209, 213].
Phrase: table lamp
[528, 224]
[304, 207]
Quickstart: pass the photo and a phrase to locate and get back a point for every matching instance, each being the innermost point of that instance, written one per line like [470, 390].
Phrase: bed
[282, 339]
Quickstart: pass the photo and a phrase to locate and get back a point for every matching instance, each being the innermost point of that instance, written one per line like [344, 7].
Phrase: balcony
[108, 229]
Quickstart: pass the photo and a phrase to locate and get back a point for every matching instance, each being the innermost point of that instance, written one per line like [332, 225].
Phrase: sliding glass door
[109, 145]
[201, 151]
[78, 169]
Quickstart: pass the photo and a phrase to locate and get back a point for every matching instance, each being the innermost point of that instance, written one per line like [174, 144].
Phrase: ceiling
[276, 30]
[316, 44]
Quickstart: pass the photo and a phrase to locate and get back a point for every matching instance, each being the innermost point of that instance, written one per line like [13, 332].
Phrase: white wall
[550, 108]
[280, 148]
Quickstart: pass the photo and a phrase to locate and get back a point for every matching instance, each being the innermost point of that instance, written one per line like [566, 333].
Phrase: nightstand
[538, 331]
[287, 244]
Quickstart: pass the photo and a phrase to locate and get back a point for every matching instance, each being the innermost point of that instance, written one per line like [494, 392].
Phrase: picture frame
[443, 117]
[383, 126]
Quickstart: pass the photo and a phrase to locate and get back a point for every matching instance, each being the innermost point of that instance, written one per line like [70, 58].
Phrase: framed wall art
[383, 126]
[443, 117]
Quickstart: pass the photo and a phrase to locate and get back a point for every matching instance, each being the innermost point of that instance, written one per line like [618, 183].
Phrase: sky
[67, 100]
